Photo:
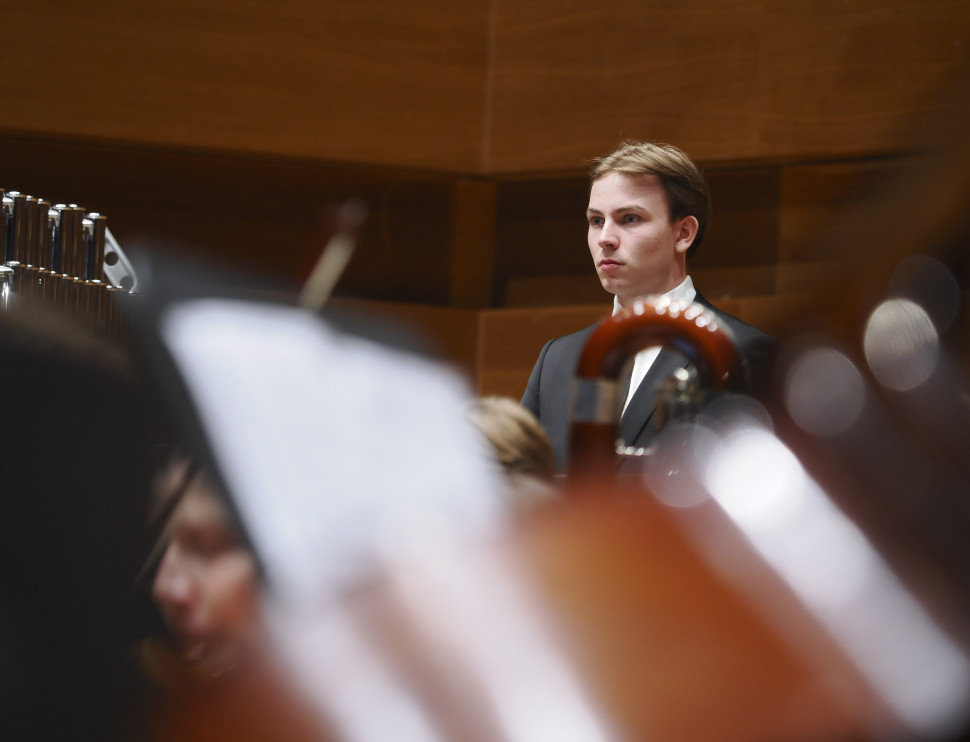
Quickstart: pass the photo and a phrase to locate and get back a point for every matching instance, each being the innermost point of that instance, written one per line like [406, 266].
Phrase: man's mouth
[609, 264]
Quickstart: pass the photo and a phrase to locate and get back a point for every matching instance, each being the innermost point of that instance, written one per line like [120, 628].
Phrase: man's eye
[210, 544]
[595, 221]
[631, 218]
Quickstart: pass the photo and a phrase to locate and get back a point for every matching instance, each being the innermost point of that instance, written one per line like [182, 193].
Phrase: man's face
[207, 585]
[636, 249]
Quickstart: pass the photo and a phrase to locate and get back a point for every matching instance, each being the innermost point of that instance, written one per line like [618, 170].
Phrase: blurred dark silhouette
[75, 446]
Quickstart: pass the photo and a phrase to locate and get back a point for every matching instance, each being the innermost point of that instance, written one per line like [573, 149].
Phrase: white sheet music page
[325, 439]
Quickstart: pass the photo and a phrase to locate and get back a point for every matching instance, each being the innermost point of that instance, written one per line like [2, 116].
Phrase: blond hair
[520, 444]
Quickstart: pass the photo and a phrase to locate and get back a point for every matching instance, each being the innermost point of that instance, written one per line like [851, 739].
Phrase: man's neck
[684, 291]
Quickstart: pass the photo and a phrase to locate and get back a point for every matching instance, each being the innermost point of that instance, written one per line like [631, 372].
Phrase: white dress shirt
[685, 293]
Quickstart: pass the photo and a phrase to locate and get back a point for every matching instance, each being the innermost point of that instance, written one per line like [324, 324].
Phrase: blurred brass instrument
[64, 257]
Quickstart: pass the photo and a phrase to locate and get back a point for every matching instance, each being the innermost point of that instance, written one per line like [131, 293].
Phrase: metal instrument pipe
[95, 228]
[17, 226]
[3, 224]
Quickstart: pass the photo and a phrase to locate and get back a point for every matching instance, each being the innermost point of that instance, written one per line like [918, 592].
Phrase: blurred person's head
[520, 447]
[207, 584]
[74, 486]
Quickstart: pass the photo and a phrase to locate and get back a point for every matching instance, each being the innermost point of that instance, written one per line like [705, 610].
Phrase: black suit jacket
[547, 393]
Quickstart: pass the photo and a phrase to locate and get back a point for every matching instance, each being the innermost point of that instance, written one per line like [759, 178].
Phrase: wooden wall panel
[740, 249]
[777, 315]
[450, 335]
[573, 79]
[731, 80]
[542, 257]
[481, 87]
[496, 349]
[510, 341]
[774, 229]
[544, 291]
[473, 246]
[172, 119]
[541, 227]
[370, 81]
[253, 213]
[820, 200]
[847, 78]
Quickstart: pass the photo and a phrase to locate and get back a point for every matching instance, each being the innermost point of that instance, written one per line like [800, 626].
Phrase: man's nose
[608, 235]
[173, 583]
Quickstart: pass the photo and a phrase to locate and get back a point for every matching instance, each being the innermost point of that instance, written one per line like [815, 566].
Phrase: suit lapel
[640, 410]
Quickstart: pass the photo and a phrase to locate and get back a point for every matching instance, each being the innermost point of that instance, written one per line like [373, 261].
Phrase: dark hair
[74, 432]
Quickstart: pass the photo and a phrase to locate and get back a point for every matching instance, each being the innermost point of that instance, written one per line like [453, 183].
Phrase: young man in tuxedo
[648, 211]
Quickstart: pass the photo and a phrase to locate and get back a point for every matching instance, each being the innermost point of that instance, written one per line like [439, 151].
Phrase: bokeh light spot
[824, 392]
[901, 344]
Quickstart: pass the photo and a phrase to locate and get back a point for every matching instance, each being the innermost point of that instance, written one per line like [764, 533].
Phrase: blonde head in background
[520, 446]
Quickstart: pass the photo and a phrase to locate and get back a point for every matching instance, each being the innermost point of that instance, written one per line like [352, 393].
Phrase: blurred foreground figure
[400, 603]
[213, 677]
[207, 584]
[75, 453]
[278, 405]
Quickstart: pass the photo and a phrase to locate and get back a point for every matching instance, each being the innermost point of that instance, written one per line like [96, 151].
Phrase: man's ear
[686, 233]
